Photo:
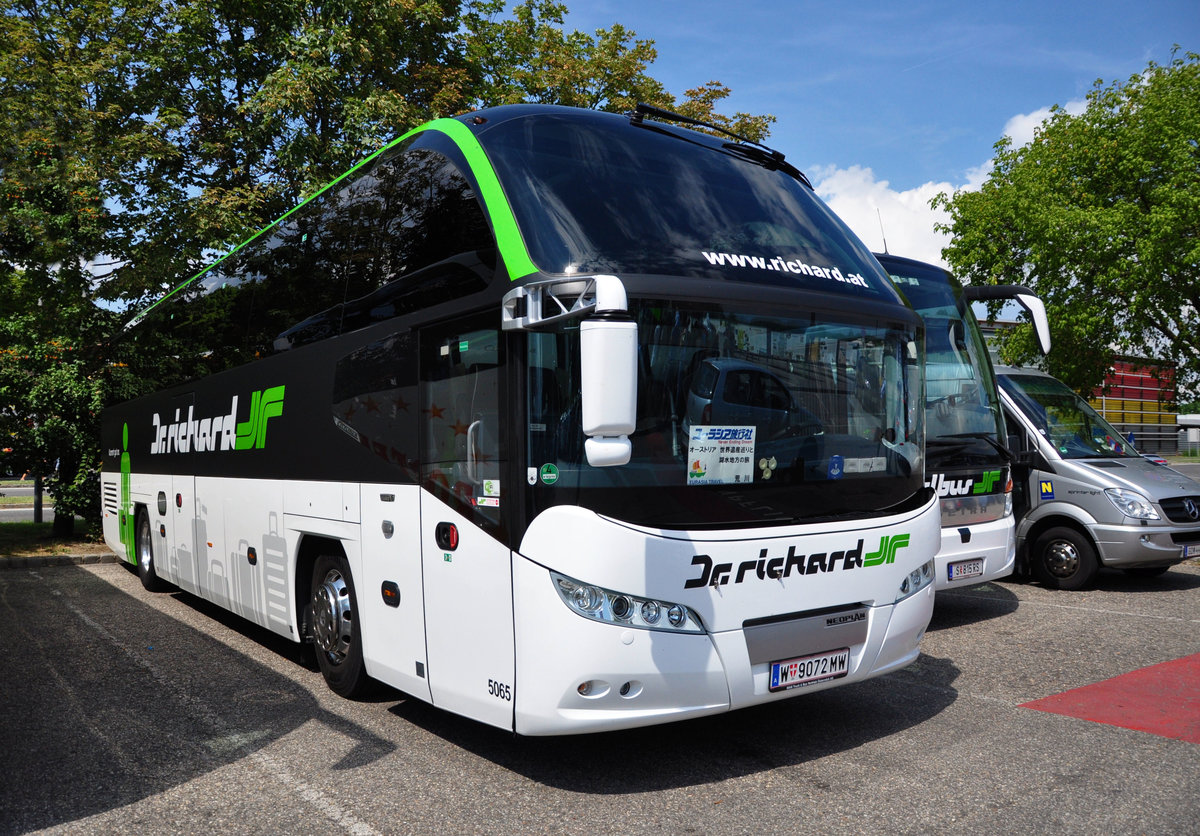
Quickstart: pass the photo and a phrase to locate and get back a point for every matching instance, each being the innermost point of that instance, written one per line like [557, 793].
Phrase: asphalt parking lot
[126, 711]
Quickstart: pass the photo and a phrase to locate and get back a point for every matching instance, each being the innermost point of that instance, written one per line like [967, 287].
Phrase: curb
[40, 561]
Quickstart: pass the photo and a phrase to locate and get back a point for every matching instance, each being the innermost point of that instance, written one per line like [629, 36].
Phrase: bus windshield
[744, 418]
[962, 420]
[1075, 429]
[593, 194]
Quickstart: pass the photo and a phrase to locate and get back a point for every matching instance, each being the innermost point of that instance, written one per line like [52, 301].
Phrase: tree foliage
[529, 57]
[1100, 214]
[139, 138]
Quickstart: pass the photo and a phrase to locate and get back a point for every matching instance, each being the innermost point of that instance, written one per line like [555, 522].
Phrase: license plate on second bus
[792, 673]
[965, 569]
[1191, 550]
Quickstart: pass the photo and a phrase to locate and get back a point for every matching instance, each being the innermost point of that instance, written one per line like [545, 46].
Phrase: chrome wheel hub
[332, 616]
[1062, 559]
[145, 553]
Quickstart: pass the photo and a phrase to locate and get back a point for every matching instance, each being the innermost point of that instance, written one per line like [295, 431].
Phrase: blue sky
[886, 104]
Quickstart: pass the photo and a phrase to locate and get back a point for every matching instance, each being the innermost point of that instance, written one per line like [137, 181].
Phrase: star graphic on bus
[460, 428]
[400, 404]
[436, 411]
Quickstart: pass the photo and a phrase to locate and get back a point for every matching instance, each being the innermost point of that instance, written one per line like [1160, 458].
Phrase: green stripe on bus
[504, 223]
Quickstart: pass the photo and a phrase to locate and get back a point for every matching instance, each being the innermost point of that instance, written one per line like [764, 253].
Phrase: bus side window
[430, 239]
[375, 400]
[462, 457]
[405, 234]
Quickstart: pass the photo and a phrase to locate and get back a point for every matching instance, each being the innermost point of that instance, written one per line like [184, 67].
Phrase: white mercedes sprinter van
[1089, 499]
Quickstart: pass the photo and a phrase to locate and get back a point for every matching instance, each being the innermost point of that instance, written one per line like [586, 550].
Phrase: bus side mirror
[1037, 312]
[608, 352]
[1025, 297]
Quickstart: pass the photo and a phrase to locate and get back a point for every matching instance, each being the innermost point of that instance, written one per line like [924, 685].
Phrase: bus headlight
[1131, 504]
[621, 608]
[915, 581]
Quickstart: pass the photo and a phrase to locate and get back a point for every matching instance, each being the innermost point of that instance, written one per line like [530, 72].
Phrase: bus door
[467, 569]
[181, 511]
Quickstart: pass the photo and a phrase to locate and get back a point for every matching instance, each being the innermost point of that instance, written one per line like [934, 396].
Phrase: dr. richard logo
[774, 568]
[220, 432]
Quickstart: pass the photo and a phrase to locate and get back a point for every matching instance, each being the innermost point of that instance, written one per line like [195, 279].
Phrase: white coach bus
[966, 460]
[564, 421]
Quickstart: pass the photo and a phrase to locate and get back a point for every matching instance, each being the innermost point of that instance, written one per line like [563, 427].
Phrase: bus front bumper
[994, 543]
[575, 675]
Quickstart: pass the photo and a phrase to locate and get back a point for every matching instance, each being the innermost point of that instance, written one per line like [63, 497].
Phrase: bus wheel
[145, 555]
[334, 611]
[1064, 559]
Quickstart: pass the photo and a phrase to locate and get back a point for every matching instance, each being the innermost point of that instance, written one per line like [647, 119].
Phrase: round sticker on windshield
[836, 467]
[549, 474]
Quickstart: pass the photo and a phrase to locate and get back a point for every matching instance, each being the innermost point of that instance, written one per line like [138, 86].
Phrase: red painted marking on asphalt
[1161, 699]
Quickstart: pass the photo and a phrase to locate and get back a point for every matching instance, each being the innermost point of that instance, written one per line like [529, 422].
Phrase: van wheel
[1064, 559]
[336, 636]
[144, 544]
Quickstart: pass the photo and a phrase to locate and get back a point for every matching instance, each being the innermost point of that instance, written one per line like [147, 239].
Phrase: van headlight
[915, 581]
[611, 607]
[1131, 504]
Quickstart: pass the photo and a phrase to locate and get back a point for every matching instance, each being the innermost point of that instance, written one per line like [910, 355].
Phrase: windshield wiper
[746, 148]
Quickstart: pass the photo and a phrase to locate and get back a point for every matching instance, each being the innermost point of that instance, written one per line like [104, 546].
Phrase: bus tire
[1063, 558]
[144, 544]
[335, 639]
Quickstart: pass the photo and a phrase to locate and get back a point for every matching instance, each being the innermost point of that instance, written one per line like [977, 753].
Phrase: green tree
[138, 139]
[57, 106]
[1100, 214]
[529, 57]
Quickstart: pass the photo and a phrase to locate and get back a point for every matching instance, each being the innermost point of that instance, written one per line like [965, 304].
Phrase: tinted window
[705, 380]
[827, 424]
[594, 194]
[462, 453]
[404, 233]
[375, 400]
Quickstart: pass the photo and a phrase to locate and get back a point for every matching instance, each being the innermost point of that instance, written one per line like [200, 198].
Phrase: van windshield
[1069, 423]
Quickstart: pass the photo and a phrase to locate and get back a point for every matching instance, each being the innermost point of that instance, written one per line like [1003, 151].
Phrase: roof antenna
[881, 232]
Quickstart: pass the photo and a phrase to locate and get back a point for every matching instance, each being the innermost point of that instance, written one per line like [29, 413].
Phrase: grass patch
[29, 539]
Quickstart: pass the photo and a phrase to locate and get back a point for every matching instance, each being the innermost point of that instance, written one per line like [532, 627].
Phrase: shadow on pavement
[108, 701]
[711, 749]
[972, 605]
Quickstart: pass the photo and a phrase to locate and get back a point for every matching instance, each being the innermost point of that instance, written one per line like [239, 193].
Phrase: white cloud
[1020, 128]
[863, 202]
